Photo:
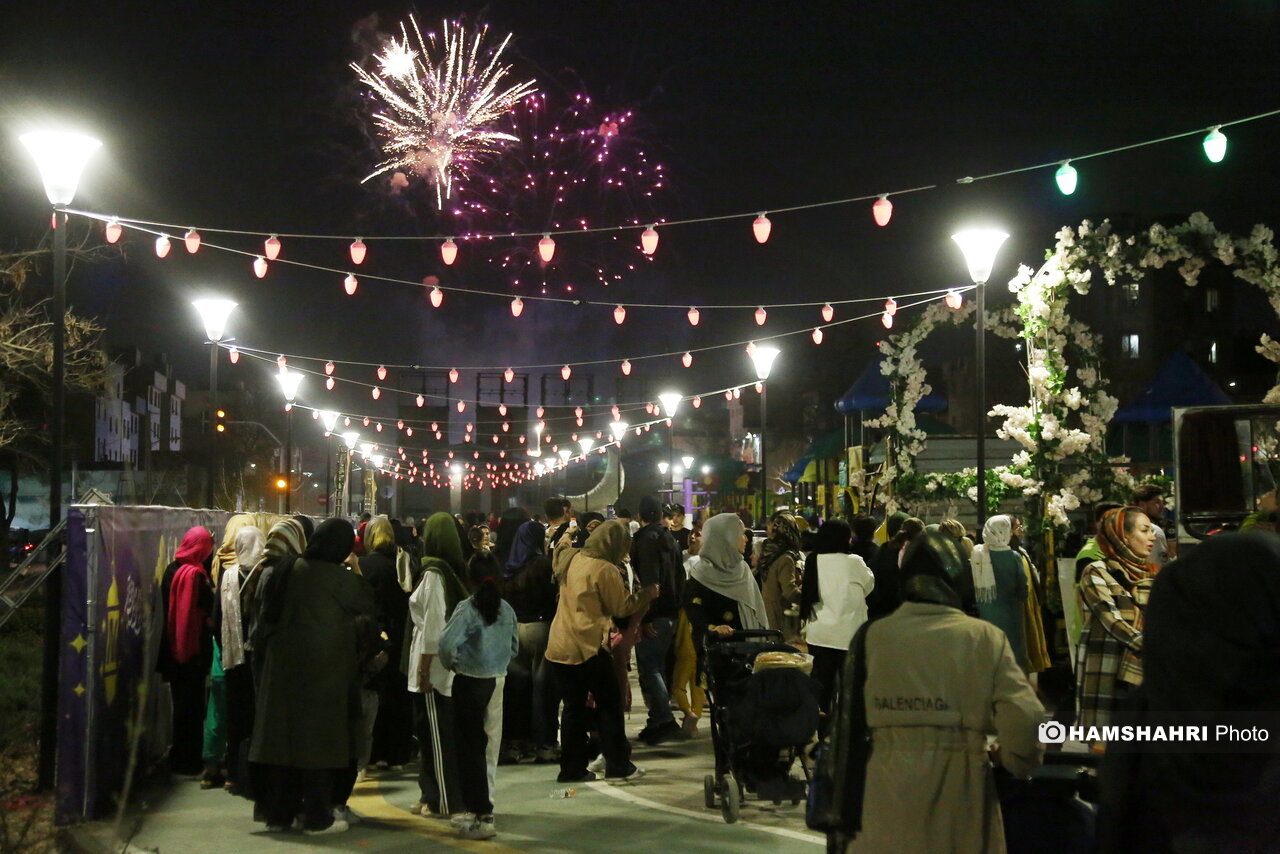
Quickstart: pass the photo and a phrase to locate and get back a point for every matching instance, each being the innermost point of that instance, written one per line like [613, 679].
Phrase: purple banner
[110, 632]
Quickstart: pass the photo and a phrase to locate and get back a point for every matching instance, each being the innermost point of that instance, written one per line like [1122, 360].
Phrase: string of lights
[421, 398]
[1214, 144]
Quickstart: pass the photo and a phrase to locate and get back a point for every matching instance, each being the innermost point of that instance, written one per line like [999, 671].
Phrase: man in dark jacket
[655, 557]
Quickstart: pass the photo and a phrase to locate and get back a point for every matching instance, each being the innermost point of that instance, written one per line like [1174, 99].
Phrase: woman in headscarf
[572, 543]
[438, 592]
[530, 697]
[388, 712]
[721, 595]
[909, 747]
[306, 729]
[1000, 583]
[591, 595]
[833, 603]
[779, 575]
[230, 626]
[216, 725]
[1212, 648]
[887, 594]
[504, 535]
[1112, 593]
[285, 541]
[187, 648]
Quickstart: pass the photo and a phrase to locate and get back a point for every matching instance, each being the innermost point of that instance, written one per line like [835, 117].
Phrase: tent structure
[869, 395]
[1179, 382]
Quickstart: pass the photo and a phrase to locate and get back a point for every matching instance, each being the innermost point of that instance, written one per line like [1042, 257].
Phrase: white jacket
[426, 608]
[843, 584]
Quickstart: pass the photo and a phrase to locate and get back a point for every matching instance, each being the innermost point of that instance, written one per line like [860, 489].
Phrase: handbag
[836, 786]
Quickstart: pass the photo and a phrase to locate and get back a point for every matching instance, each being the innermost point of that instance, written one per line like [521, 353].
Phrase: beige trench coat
[938, 682]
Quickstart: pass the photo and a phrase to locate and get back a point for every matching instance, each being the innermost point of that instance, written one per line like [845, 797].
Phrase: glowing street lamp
[214, 314]
[289, 383]
[762, 359]
[61, 158]
[619, 429]
[980, 247]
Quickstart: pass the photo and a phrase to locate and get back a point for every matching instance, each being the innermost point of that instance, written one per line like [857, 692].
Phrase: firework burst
[439, 101]
[571, 167]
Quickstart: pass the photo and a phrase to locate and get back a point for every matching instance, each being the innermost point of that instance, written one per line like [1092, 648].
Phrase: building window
[1213, 352]
[1131, 292]
[1129, 345]
[1211, 299]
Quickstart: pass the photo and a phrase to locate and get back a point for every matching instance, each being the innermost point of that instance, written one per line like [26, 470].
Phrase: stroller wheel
[709, 791]
[732, 802]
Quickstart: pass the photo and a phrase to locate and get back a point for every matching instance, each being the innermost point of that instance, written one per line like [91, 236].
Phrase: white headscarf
[995, 538]
[720, 567]
[249, 544]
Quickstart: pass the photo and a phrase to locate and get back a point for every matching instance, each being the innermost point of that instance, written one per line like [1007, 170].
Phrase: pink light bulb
[271, 248]
[517, 306]
[882, 211]
[761, 227]
[817, 335]
[448, 252]
[192, 241]
[828, 312]
[649, 241]
[694, 315]
[761, 316]
[358, 251]
[162, 246]
[350, 284]
[260, 267]
[619, 315]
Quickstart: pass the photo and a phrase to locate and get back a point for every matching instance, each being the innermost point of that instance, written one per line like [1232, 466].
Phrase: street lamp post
[663, 468]
[670, 401]
[329, 419]
[980, 247]
[586, 445]
[60, 158]
[289, 382]
[349, 439]
[213, 314]
[618, 429]
[762, 358]
[564, 454]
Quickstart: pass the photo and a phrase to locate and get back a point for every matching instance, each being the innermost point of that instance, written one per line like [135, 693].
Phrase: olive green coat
[308, 705]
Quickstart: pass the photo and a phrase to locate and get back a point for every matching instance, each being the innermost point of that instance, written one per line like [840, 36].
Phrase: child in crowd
[477, 644]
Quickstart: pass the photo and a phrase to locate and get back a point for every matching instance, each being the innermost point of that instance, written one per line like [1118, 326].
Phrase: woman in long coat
[308, 713]
[937, 683]
[1112, 594]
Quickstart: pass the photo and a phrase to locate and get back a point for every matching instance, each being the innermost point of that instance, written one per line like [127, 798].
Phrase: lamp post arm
[263, 428]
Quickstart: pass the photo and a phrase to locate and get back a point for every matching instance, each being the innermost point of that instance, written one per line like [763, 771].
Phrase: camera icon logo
[1051, 732]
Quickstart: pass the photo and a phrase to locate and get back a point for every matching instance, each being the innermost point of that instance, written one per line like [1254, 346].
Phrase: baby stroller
[764, 711]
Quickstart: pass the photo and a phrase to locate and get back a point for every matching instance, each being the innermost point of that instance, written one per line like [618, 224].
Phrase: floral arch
[1062, 428]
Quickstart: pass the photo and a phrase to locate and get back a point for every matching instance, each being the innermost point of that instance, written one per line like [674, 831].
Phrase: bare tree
[26, 369]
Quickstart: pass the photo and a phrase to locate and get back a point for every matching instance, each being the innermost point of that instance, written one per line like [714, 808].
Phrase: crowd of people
[302, 660]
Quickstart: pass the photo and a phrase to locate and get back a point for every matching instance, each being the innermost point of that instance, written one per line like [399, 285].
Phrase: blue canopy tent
[1178, 382]
[869, 395]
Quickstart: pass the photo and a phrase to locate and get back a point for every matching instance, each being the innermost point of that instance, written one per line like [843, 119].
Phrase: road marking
[373, 804]
[624, 795]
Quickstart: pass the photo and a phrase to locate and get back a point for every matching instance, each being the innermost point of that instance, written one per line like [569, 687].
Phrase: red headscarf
[1127, 568]
[186, 620]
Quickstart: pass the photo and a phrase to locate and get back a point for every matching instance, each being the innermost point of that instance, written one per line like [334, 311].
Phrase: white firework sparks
[440, 100]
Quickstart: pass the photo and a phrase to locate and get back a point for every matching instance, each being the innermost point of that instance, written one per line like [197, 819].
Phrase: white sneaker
[481, 828]
[337, 827]
[345, 813]
[462, 819]
[636, 773]
[596, 766]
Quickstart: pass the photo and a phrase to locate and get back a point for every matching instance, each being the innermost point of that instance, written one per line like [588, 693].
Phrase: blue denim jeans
[651, 661]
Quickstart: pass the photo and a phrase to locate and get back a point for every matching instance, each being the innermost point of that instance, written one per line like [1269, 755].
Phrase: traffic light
[220, 422]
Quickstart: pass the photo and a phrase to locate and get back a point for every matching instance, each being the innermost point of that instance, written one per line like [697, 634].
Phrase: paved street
[664, 809]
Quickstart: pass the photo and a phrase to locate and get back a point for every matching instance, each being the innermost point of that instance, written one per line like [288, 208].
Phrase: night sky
[226, 114]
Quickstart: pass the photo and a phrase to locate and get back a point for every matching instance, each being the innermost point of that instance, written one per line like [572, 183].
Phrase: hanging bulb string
[589, 410]
[1116, 150]
[633, 407]
[146, 228]
[147, 225]
[808, 329]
